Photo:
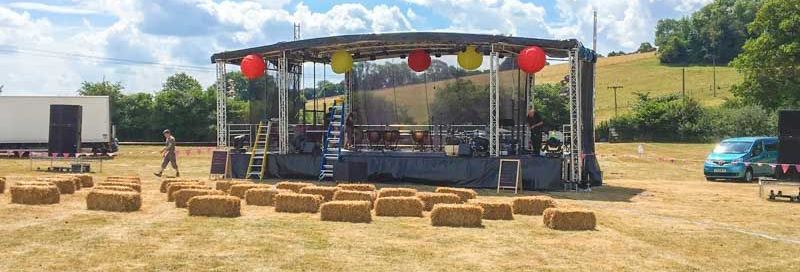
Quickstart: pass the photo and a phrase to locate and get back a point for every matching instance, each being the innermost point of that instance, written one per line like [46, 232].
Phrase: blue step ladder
[332, 143]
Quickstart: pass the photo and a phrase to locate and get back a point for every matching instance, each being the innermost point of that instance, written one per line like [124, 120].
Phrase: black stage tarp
[538, 173]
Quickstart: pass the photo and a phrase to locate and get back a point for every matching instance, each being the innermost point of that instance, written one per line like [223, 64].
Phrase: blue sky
[50, 47]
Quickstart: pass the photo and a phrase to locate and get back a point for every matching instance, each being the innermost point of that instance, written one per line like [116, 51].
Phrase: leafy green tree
[136, 122]
[770, 59]
[645, 47]
[105, 88]
[461, 102]
[183, 107]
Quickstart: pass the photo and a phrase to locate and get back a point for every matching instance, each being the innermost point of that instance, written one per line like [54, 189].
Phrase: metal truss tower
[575, 122]
[494, 110]
[222, 111]
[283, 103]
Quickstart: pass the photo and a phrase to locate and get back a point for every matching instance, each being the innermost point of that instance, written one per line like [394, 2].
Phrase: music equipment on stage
[65, 129]
[480, 146]
[789, 142]
[464, 150]
[390, 138]
[374, 137]
[238, 143]
[419, 138]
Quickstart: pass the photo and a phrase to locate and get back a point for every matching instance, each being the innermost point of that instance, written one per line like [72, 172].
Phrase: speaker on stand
[789, 145]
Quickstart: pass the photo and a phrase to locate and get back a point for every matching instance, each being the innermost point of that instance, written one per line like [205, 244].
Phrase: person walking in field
[169, 154]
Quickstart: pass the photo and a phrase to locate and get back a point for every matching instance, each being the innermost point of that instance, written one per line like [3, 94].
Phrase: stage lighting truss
[283, 103]
[222, 125]
[494, 110]
[575, 124]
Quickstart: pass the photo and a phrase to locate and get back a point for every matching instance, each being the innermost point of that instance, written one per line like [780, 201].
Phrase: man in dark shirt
[535, 124]
[169, 154]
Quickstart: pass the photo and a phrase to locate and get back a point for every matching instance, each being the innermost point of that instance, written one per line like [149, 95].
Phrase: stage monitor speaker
[464, 150]
[789, 123]
[65, 129]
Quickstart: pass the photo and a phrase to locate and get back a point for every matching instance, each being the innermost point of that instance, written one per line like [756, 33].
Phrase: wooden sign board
[219, 163]
[509, 175]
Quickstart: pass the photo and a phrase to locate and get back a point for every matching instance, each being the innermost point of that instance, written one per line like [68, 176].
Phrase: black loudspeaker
[789, 123]
[464, 150]
[65, 129]
[789, 153]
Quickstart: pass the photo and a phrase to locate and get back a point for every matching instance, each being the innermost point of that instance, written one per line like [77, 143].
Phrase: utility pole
[615, 87]
[594, 32]
[714, 72]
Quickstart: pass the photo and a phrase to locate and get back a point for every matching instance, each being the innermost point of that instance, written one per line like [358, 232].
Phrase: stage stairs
[258, 160]
[332, 143]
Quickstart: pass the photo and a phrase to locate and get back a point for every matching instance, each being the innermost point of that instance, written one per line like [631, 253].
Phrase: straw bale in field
[387, 192]
[346, 211]
[182, 196]
[399, 206]
[430, 199]
[569, 219]
[262, 196]
[165, 182]
[464, 194]
[357, 187]
[326, 192]
[238, 190]
[65, 185]
[113, 201]
[456, 215]
[297, 203]
[135, 186]
[355, 195]
[175, 186]
[215, 205]
[294, 186]
[114, 188]
[35, 194]
[2, 185]
[495, 210]
[133, 179]
[86, 180]
[532, 205]
[225, 185]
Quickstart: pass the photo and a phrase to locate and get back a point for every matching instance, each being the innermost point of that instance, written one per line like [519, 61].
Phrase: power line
[72, 56]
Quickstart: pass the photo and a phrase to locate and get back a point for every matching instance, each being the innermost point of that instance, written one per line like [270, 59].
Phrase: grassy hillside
[636, 73]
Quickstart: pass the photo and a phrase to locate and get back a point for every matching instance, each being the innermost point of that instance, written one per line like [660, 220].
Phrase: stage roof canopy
[392, 45]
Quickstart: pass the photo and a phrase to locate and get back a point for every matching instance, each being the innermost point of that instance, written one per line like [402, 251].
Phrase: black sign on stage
[509, 175]
[219, 163]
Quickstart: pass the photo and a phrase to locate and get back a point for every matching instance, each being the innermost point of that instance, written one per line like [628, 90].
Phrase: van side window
[771, 146]
[757, 148]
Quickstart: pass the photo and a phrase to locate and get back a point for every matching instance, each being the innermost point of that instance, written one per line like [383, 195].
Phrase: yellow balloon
[470, 59]
[341, 62]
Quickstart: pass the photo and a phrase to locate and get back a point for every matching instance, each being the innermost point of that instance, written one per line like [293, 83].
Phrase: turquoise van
[742, 158]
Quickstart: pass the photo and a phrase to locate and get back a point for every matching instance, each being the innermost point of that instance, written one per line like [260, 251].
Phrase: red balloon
[531, 59]
[419, 60]
[253, 66]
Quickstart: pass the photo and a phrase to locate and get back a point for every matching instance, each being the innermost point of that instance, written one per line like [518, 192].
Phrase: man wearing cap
[169, 154]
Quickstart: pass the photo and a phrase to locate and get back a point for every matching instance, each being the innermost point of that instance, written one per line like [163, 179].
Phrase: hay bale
[238, 190]
[262, 196]
[131, 179]
[495, 210]
[346, 211]
[569, 219]
[399, 206]
[182, 196]
[65, 185]
[387, 192]
[297, 203]
[532, 205]
[326, 192]
[355, 196]
[2, 185]
[85, 179]
[35, 194]
[294, 186]
[357, 187]
[464, 194]
[457, 215]
[75, 179]
[114, 188]
[215, 205]
[430, 199]
[225, 185]
[30, 182]
[113, 201]
[134, 186]
[175, 186]
[165, 182]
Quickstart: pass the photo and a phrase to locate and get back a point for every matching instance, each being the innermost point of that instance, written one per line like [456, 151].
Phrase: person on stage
[535, 124]
[168, 152]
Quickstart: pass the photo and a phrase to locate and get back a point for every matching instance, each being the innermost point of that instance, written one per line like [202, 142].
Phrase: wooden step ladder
[257, 167]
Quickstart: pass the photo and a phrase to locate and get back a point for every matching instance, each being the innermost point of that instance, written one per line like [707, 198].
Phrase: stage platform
[429, 168]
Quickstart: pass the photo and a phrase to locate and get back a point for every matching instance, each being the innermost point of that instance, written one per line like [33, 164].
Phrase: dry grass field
[636, 73]
[653, 215]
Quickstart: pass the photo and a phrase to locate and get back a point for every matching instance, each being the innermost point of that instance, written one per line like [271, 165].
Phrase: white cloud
[51, 8]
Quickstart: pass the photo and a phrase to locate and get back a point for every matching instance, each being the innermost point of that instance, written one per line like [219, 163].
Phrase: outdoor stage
[538, 173]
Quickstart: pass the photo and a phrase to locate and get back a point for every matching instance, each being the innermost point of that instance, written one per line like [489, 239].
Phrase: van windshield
[732, 147]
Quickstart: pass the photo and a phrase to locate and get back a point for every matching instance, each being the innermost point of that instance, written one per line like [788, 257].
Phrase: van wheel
[748, 175]
[710, 179]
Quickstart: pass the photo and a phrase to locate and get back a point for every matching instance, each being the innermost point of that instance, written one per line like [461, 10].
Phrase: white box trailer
[25, 121]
